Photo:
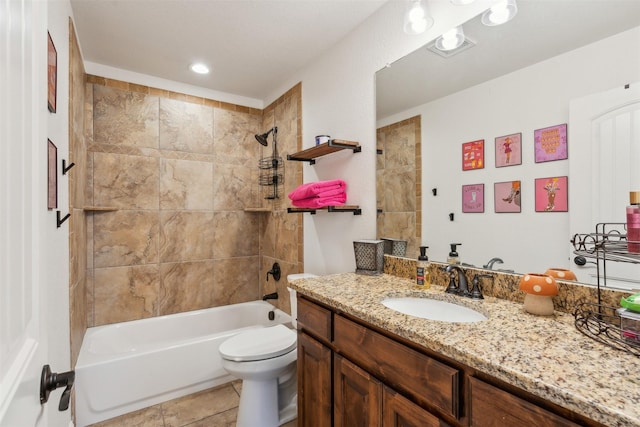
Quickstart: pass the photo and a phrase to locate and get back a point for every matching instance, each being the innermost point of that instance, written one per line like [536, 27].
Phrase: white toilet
[265, 360]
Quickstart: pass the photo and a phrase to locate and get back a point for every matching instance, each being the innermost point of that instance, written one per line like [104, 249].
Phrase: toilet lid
[259, 344]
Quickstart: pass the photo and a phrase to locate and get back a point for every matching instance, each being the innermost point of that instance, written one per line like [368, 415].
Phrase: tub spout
[270, 296]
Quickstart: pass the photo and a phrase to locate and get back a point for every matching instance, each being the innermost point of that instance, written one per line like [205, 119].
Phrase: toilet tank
[292, 295]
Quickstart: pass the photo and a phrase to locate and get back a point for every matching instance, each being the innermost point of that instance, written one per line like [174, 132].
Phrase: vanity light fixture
[416, 17]
[450, 40]
[500, 13]
[199, 68]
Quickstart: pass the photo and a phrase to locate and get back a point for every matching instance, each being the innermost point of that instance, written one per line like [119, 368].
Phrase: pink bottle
[633, 223]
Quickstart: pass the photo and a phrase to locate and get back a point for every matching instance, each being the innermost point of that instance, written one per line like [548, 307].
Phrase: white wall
[534, 97]
[338, 99]
[54, 242]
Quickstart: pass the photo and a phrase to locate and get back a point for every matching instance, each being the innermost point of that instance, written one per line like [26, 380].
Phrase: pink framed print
[550, 143]
[52, 75]
[552, 194]
[509, 150]
[473, 155]
[473, 198]
[507, 196]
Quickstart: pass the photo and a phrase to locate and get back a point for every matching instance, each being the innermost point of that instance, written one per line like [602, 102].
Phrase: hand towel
[319, 189]
[320, 202]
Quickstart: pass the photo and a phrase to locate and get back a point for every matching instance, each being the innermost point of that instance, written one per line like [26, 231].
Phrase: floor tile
[198, 406]
[147, 417]
[223, 419]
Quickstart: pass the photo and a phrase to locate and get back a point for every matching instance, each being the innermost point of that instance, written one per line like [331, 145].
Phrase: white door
[26, 226]
[604, 138]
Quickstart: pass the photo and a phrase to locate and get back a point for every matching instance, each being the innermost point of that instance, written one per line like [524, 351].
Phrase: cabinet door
[357, 396]
[314, 383]
[398, 411]
[493, 407]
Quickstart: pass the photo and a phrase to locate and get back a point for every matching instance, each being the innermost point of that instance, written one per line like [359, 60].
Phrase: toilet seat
[259, 344]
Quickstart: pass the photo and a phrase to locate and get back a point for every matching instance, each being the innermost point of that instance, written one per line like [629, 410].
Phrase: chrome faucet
[462, 288]
[492, 261]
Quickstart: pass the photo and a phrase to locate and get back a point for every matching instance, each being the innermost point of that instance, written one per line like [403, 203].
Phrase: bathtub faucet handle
[275, 272]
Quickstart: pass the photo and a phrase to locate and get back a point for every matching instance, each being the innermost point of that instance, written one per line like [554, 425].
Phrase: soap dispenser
[422, 269]
[454, 258]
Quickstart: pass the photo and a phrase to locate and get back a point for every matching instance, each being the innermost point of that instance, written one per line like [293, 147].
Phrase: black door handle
[50, 381]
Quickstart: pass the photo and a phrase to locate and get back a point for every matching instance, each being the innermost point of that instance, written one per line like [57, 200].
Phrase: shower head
[262, 139]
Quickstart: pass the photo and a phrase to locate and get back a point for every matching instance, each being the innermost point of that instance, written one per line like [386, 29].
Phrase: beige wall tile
[236, 280]
[286, 238]
[125, 118]
[123, 181]
[186, 286]
[186, 184]
[400, 190]
[185, 126]
[186, 236]
[231, 187]
[126, 293]
[236, 234]
[125, 238]
[234, 136]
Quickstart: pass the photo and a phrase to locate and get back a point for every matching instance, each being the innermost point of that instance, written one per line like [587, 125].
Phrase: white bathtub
[132, 365]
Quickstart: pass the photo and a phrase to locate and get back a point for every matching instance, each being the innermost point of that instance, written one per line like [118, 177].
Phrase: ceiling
[251, 46]
[541, 29]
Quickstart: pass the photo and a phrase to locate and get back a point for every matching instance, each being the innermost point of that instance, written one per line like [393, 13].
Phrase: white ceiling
[252, 46]
[541, 29]
[255, 46]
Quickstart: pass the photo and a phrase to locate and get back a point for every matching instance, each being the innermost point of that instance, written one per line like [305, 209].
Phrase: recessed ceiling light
[199, 68]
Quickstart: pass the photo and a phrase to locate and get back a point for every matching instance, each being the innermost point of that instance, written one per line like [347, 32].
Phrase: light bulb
[416, 17]
[419, 26]
[450, 40]
[416, 13]
[500, 13]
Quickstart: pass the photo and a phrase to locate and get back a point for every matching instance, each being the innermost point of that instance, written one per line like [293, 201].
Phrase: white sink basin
[434, 309]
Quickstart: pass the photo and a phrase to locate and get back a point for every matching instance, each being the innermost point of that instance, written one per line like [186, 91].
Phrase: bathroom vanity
[361, 363]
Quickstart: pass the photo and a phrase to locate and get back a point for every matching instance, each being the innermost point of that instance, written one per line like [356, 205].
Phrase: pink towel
[320, 202]
[319, 189]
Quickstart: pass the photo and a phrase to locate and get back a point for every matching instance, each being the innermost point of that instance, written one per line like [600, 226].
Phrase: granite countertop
[546, 356]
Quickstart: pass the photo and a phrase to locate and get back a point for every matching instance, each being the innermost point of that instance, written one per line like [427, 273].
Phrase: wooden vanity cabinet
[350, 375]
[315, 365]
[494, 407]
[357, 396]
[346, 371]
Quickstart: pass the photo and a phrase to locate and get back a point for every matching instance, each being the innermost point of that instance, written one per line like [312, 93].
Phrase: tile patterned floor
[215, 407]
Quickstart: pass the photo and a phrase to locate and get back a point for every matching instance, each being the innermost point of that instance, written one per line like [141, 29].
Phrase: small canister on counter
[321, 139]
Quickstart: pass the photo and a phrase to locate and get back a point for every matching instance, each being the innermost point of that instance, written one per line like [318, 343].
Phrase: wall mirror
[507, 81]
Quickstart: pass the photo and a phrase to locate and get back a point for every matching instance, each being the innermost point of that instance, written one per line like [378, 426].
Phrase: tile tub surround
[180, 172]
[546, 356]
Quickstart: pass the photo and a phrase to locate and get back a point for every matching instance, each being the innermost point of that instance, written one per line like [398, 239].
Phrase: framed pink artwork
[509, 150]
[473, 198]
[550, 143]
[552, 194]
[507, 196]
[52, 75]
[473, 155]
[52, 175]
